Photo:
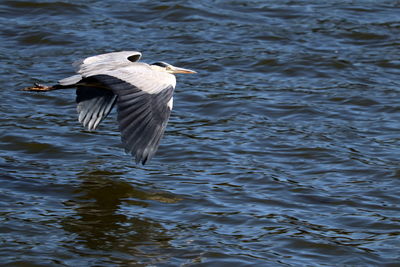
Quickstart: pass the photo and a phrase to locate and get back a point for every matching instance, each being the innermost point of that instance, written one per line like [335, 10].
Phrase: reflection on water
[282, 150]
[100, 224]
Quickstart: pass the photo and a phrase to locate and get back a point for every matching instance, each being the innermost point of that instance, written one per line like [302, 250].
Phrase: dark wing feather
[94, 104]
[142, 116]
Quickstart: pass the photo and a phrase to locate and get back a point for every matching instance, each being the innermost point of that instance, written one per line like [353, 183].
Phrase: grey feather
[142, 116]
[94, 104]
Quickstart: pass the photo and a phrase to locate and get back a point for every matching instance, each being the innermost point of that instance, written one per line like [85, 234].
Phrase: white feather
[170, 103]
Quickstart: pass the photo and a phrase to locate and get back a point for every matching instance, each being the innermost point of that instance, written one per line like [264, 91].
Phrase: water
[282, 151]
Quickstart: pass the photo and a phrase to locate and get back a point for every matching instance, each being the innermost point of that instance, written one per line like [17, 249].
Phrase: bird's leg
[41, 88]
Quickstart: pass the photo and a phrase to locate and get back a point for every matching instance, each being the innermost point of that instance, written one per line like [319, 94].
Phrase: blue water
[282, 151]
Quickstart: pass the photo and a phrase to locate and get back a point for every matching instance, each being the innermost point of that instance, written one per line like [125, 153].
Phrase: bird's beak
[181, 70]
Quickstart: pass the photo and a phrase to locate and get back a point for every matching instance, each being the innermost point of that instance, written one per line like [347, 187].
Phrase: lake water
[284, 149]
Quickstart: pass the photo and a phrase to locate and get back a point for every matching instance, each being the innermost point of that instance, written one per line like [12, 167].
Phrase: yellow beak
[181, 70]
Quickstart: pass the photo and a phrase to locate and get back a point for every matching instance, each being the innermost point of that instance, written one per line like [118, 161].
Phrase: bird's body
[141, 92]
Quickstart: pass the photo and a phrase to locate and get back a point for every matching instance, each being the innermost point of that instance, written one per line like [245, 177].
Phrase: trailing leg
[41, 88]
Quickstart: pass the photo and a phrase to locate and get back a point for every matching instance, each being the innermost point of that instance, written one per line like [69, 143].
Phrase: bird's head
[162, 66]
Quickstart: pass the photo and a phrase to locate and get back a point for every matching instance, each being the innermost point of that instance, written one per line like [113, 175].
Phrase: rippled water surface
[283, 150]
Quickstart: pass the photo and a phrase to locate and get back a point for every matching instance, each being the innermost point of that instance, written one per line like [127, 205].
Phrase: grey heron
[142, 93]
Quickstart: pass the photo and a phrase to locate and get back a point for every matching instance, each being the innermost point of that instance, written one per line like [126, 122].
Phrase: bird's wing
[144, 105]
[94, 104]
[101, 62]
[106, 61]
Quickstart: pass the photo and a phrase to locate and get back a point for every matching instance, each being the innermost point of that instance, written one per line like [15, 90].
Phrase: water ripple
[283, 150]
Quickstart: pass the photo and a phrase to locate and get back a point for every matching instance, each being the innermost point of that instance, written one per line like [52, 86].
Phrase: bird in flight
[142, 93]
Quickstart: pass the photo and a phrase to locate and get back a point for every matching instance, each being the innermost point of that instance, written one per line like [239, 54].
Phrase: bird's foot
[38, 88]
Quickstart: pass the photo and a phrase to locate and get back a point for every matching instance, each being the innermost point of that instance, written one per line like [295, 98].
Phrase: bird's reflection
[108, 216]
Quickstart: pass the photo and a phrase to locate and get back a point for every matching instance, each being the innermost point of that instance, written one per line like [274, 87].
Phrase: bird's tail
[41, 88]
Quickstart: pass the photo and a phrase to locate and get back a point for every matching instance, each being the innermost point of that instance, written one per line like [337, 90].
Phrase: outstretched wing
[144, 105]
[106, 61]
[99, 64]
[142, 119]
[94, 101]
